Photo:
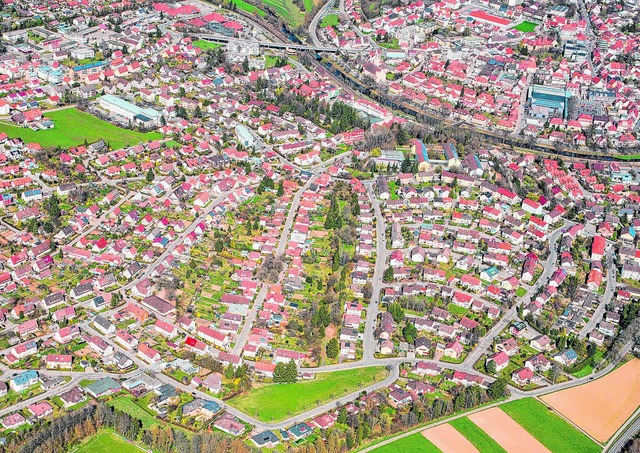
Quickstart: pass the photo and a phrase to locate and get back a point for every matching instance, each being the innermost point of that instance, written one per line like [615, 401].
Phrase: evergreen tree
[150, 175]
[280, 188]
[333, 348]
[388, 275]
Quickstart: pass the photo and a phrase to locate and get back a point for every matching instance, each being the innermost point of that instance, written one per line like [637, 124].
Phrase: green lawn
[308, 5]
[521, 292]
[206, 45]
[73, 127]
[288, 10]
[476, 436]
[411, 444]
[275, 402]
[248, 7]
[330, 20]
[107, 442]
[550, 429]
[126, 404]
[526, 26]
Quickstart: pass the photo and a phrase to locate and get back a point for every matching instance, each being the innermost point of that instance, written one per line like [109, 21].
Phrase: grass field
[550, 429]
[275, 402]
[410, 444]
[248, 7]
[286, 9]
[526, 26]
[476, 436]
[73, 127]
[308, 5]
[330, 20]
[107, 442]
[206, 45]
[126, 404]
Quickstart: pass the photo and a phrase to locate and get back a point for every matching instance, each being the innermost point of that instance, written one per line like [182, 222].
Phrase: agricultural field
[480, 440]
[414, 443]
[506, 432]
[601, 406]
[550, 429]
[526, 26]
[73, 127]
[275, 402]
[448, 439]
[107, 442]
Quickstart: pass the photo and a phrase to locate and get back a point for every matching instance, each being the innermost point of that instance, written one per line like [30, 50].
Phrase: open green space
[526, 26]
[550, 429]
[410, 444]
[288, 10]
[206, 45]
[330, 20]
[73, 127]
[107, 442]
[248, 7]
[481, 440]
[126, 404]
[309, 5]
[275, 402]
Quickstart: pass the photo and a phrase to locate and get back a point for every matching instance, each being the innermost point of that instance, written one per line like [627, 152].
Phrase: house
[522, 376]
[72, 397]
[201, 409]
[453, 350]
[59, 361]
[24, 380]
[103, 387]
[265, 439]
[500, 359]
[41, 409]
[541, 343]
[567, 357]
[300, 431]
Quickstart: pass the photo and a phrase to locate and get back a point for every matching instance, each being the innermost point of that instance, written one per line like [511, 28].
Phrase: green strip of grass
[550, 429]
[275, 402]
[481, 440]
[107, 442]
[410, 444]
[330, 20]
[206, 45]
[73, 127]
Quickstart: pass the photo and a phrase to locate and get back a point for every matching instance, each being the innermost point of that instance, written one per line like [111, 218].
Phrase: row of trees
[67, 430]
[285, 372]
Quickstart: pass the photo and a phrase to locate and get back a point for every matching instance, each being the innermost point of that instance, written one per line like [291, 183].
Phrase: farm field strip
[506, 432]
[449, 440]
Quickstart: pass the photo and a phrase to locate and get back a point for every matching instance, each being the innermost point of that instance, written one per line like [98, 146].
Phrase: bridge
[268, 44]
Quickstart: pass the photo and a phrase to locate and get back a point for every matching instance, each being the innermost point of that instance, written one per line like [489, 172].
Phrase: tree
[396, 311]
[497, 389]
[490, 366]
[150, 175]
[229, 373]
[333, 348]
[280, 191]
[410, 332]
[367, 290]
[388, 275]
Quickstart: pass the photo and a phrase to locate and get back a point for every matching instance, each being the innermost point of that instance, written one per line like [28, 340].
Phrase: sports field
[275, 402]
[549, 428]
[107, 442]
[410, 444]
[526, 26]
[601, 406]
[73, 127]
[206, 45]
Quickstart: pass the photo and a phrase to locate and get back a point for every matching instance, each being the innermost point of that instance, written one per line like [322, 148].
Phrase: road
[606, 299]
[368, 340]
